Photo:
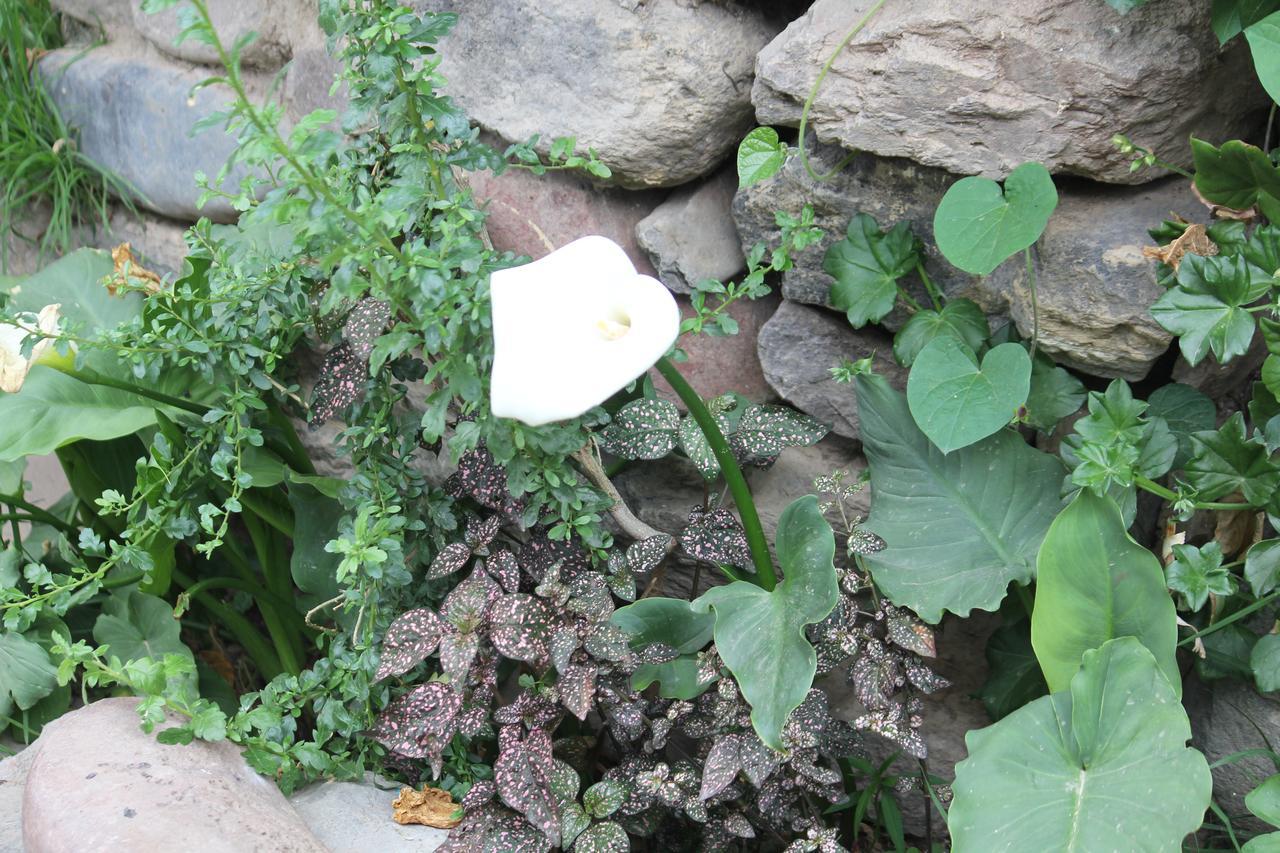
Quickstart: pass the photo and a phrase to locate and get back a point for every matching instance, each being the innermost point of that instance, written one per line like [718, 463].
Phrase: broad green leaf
[1262, 250]
[760, 156]
[1093, 584]
[1124, 7]
[962, 319]
[961, 526]
[1186, 411]
[1270, 374]
[1232, 17]
[1226, 653]
[11, 474]
[1264, 800]
[75, 282]
[53, 409]
[1055, 394]
[1265, 663]
[866, 266]
[1206, 308]
[315, 525]
[1264, 41]
[761, 635]
[1013, 674]
[1262, 566]
[136, 625]
[1234, 175]
[1227, 460]
[1102, 766]
[26, 673]
[1269, 843]
[955, 402]
[675, 623]
[978, 225]
[1197, 572]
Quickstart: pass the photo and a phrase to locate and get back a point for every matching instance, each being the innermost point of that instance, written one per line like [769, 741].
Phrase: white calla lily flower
[572, 328]
[14, 367]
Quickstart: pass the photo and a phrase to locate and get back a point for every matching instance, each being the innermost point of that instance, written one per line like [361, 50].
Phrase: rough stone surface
[978, 88]
[661, 89]
[1222, 381]
[232, 19]
[134, 117]
[719, 365]
[798, 347]
[13, 780]
[351, 817]
[532, 215]
[109, 15]
[891, 190]
[311, 74]
[1229, 717]
[99, 783]
[691, 236]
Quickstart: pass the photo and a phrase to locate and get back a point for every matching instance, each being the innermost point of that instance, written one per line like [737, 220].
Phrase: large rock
[718, 365]
[98, 782]
[691, 236]
[13, 781]
[1226, 718]
[661, 89]
[978, 88]
[350, 817]
[799, 346]
[1094, 286]
[109, 15]
[273, 21]
[134, 115]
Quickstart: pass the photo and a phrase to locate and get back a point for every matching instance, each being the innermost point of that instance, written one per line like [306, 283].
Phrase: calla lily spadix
[14, 367]
[572, 328]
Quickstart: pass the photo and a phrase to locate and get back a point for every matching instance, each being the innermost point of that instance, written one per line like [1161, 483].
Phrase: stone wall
[664, 90]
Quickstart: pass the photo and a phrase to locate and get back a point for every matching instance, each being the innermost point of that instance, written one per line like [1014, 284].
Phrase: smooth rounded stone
[1229, 716]
[134, 115]
[13, 781]
[979, 88]
[799, 346]
[661, 89]
[351, 817]
[691, 235]
[311, 75]
[98, 782]
[109, 15]
[271, 20]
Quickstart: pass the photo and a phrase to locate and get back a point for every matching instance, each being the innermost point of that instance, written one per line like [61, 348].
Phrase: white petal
[572, 328]
[47, 322]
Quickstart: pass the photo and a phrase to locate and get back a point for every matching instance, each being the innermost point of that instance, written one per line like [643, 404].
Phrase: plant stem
[242, 629]
[934, 294]
[1239, 614]
[1170, 495]
[89, 376]
[37, 514]
[813, 93]
[729, 467]
[1035, 307]
[1024, 595]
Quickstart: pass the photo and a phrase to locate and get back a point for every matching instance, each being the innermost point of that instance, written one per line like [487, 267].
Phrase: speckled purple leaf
[564, 642]
[642, 429]
[480, 533]
[523, 777]
[504, 568]
[604, 837]
[577, 687]
[365, 324]
[716, 537]
[450, 559]
[457, 651]
[645, 555]
[467, 604]
[415, 723]
[341, 383]
[522, 627]
[766, 429]
[410, 638]
[908, 632]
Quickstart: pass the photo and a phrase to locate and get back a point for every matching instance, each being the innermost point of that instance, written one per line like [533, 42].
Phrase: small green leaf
[1197, 572]
[643, 429]
[760, 156]
[1206, 308]
[1265, 663]
[761, 634]
[962, 319]
[26, 673]
[1093, 584]
[694, 444]
[1013, 674]
[978, 225]
[1264, 41]
[866, 266]
[1186, 411]
[1102, 766]
[672, 622]
[1234, 175]
[316, 517]
[956, 402]
[1055, 394]
[136, 625]
[1262, 566]
[1227, 460]
[1264, 800]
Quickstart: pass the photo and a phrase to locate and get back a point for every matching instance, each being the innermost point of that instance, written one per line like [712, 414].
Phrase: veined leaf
[760, 156]
[866, 266]
[978, 224]
[956, 401]
[672, 622]
[962, 319]
[1234, 175]
[1206, 308]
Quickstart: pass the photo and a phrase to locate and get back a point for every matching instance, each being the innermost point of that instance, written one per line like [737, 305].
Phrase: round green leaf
[1101, 767]
[962, 319]
[978, 225]
[1264, 40]
[26, 673]
[955, 402]
[1093, 584]
[1264, 800]
[673, 622]
[760, 156]
[1262, 566]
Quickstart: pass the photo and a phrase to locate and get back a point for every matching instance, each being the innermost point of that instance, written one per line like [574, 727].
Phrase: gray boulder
[271, 20]
[978, 88]
[1226, 718]
[109, 15]
[134, 115]
[691, 237]
[661, 89]
[798, 347]
[351, 817]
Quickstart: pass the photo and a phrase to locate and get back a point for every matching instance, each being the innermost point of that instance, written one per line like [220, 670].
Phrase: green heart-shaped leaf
[1264, 40]
[956, 402]
[978, 225]
[760, 156]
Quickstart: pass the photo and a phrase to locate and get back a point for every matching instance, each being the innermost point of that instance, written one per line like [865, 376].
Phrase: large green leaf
[960, 526]
[1093, 584]
[962, 319]
[75, 282]
[1207, 307]
[53, 409]
[136, 625]
[672, 622]
[1101, 767]
[1235, 175]
[315, 525]
[1186, 411]
[26, 673]
[866, 266]
[760, 634]
[11, 474]
[1232, 17]
[1228, 459]
[956, 401]
[1264, 40]
[978, 225]
[1013, 674]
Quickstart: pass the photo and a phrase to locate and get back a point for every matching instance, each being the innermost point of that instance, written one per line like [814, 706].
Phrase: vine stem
[813, 93]
[588, 460]
[1035, 307]
[729, 467]
[1239, 614]
[1170, 495]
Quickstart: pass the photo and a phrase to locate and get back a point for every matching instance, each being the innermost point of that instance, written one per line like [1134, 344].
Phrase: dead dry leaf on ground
[429, 807]
[128, 268]
[1194, 241]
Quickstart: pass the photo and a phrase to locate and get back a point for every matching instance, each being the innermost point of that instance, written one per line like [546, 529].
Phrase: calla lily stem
[729, 467]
